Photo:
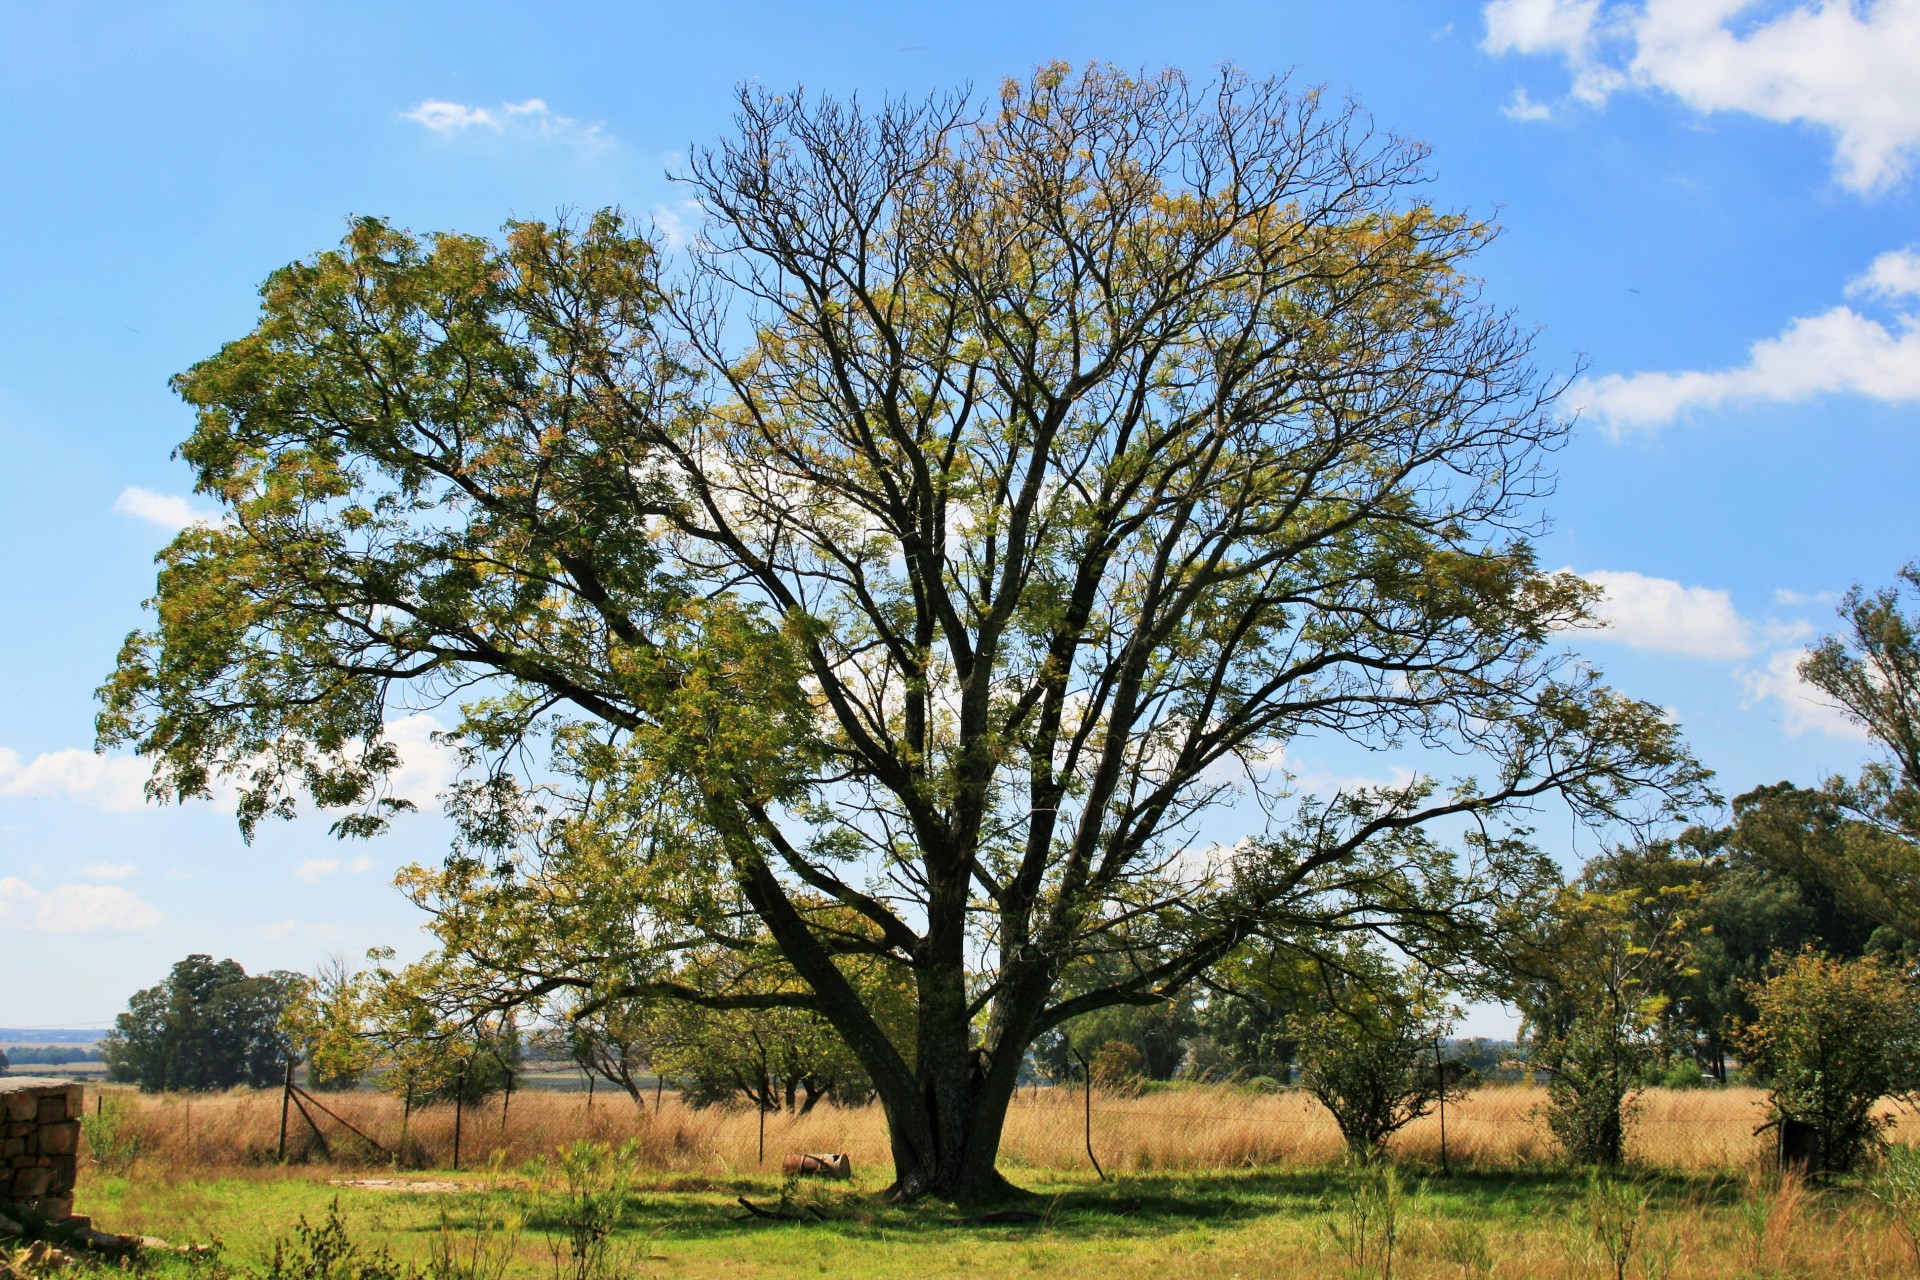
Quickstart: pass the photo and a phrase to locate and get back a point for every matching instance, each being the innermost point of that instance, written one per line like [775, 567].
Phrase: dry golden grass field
[1185, 1129]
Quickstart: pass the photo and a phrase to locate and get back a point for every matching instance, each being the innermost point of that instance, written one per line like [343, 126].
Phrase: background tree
[1861, 838]
[611, 1041]
[325, 1006]
[996, 480]
[1833, 1041]
[208, 1026]
[776, 1059]
[1371, 1056]
[1760, 894]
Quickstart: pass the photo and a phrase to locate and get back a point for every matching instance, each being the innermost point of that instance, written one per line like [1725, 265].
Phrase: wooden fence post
[1086, 1073]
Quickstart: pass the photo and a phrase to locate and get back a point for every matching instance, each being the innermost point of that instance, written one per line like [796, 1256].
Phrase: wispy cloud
[314, 870]
[167, 510]
[1524, 108]
[1803, 709]
[531, 117]
[109, 871]
[1847, 68]
[106, 782]
[73, 908]
[1838, 352]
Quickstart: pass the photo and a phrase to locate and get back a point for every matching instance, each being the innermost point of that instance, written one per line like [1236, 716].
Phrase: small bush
[1684, 1074]
[327, 1252]
[584, 1194]
[109, 1133]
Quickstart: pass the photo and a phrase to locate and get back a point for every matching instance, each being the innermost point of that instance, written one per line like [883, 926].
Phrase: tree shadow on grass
[1156, 1204]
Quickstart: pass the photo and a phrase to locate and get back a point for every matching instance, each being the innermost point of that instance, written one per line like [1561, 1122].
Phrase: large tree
[991, 490]
[208, 1026]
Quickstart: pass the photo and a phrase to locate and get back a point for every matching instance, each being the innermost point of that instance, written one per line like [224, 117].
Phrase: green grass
[1138, 1228]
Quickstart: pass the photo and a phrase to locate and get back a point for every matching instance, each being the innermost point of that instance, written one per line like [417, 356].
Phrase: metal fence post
[459, 1107]
[286, 1100]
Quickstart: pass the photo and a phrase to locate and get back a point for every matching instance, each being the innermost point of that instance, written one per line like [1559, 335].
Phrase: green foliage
[208, 1026]
[328, 1252]
[1157, 1033]
[1831, 1039]
[1683, 1074]
[1861, 839]
[111, 1138]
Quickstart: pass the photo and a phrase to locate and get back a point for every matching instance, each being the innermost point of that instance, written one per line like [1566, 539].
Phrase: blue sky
[1709, 206]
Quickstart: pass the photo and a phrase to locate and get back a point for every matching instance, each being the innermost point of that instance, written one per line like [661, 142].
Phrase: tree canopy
[208, 1026]
[991, 491]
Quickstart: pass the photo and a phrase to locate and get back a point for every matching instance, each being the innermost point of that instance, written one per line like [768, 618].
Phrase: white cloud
[167, 510]
[678, 225]
[1803, 708]
[1839, 351]
[314, 870]
[426, 766]
[276, 930]
[73, 908]
[1523, 108]
[1845, 67]
[106, 782]
[1567, 28]
[1662, 615]
[530, 118]
[1894, 274]
[109, 871]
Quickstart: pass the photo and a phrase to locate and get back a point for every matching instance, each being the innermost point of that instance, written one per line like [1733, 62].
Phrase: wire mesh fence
[1057, 1129]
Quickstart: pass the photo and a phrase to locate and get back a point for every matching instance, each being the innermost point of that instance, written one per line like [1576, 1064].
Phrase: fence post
[459, 1108]
[406, 1118]
[1086, 1074]
[1440, 1082]
[506, 1100]
[286, 1101]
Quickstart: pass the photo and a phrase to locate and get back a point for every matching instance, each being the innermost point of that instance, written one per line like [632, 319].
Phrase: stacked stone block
[39, 1143]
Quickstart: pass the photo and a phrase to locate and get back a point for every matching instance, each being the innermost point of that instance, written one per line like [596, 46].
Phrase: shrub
[1119, 1067]
[1372, 1060]
[1831, 1038]
[109, 1133]
[1594, 1088]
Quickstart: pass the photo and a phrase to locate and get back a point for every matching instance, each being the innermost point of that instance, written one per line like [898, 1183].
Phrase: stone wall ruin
[39, 1143]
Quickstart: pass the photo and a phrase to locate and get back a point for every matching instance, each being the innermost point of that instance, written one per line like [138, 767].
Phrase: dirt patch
[419, 1187]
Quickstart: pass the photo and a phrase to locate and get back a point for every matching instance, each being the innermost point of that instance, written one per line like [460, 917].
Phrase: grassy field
[1203, 1183]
